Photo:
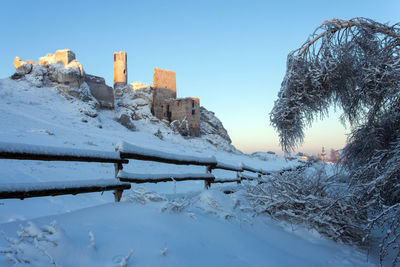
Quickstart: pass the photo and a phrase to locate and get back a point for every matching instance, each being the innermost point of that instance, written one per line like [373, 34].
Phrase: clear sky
[231, 54]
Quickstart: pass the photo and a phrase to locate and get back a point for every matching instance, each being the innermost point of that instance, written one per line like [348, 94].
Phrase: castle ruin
[185, 111]
[182, 113]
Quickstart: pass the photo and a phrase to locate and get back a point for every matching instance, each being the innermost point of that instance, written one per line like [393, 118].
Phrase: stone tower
[184, 113]
[120, 68]
[164, 88]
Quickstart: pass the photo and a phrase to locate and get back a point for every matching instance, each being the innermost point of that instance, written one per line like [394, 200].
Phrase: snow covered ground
[165, 224]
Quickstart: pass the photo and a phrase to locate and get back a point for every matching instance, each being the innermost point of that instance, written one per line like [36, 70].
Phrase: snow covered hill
[165, 224]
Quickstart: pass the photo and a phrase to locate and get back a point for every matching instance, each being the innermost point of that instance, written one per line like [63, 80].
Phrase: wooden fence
[44, 153]
[123, 153]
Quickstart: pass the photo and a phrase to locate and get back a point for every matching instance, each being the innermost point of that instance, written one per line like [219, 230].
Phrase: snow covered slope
[166, 224]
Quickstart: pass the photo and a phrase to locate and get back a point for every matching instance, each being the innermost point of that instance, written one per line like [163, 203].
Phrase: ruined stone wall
[164, 90]
[167, 107]
[165, 79]
[160, 98]
[120, 68]
[189, 109]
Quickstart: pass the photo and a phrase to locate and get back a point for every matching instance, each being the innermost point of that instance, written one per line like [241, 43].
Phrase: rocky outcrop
[100, 90]
[125, 121]
[212, 130]
[137, 98]
[22, 66]
[70, 76]
[64, 71]
[210, 124]
[65, 56]
[64, 68]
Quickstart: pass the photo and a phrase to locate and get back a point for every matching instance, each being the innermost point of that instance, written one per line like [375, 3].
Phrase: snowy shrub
[388, 221]
[31, 245]
[181, 127]
[309, 199]
[176, 206]
[142, 195]
[122, 261]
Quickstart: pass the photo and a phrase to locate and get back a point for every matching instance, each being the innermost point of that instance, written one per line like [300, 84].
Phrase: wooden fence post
[117, 193]
[240, 178]
[259, 177]
[207, 183]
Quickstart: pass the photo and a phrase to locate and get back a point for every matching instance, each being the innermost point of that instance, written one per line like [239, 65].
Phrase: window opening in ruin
[193, 112]
[192, 103]
[169, 114]
[124, 71]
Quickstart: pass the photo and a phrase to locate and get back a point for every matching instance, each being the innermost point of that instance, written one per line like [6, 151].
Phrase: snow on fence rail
[227, 180]
[228, 167]
[123, 151]
[130, 151]
[39, 189]
[48, 153]
[251, 169]
[155, 178]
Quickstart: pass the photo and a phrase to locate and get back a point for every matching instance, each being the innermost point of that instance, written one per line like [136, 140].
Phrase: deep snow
[165, 224]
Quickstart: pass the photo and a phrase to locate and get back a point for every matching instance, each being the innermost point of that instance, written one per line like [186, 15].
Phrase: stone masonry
[120, 69]
[164, 88]
[165, 79]
[184, 111]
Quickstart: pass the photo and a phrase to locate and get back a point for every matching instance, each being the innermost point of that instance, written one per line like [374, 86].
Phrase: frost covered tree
[354, 65]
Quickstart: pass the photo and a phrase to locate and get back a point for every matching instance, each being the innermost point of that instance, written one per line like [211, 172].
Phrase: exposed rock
[89, 112]
[46, 60]
[212, 130]
[17, 76]
[70, 76]
[137, 98]
[102, 92]
[210, 124]
[159, 134]
[64, 56]
[22, 66]
[125, 120]
[122, 90]
[142, 91]
[61, 68]
[38, 76]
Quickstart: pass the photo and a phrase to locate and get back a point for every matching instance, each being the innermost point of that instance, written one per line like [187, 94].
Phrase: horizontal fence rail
[27, 190]
[48, 153]
[255, 170]
[156, 178]
[130, 151]
[124, 151]
[228, 167]
[227, 180]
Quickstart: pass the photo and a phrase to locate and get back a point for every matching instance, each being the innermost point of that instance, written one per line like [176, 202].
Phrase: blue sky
[231, 54]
